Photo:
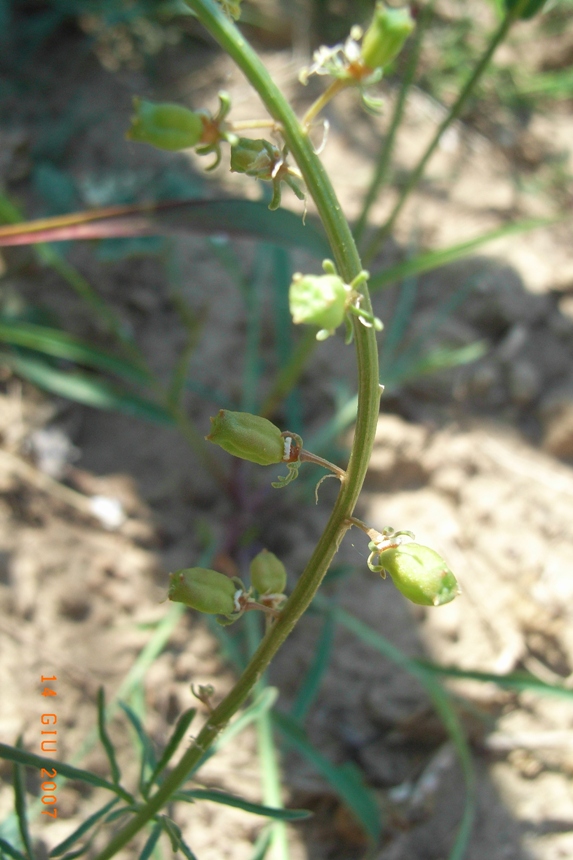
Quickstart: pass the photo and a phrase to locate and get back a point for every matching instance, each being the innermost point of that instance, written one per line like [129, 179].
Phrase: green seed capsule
[268, 574]
[203, 589]
[420, 574]
[318, 300]
[166, 126]
[247, 436]
[385, 36]
[254, 157]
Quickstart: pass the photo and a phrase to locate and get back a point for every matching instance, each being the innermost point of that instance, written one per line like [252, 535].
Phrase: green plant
[325, 302]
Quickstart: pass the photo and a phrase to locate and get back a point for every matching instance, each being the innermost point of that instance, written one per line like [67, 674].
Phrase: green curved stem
[349, 265]
[498, 37]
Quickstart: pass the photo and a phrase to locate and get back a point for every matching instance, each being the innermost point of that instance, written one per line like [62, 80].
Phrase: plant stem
[247, 124]
[309, 457]
[321, 102]
[349, 266]
[498, 37]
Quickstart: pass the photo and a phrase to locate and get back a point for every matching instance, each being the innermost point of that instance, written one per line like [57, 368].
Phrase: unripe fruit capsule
[166, 126]
[420, 573]
[247, 436]
[318, 300]
[203, 589]
[268, 574]
[385, 36]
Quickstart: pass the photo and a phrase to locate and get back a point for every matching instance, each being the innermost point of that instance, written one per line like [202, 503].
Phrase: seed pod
[385, 36]
[166, 126]
[247, 436]
[420, 574]
[203, 589]
[318, 300]
[268, 574]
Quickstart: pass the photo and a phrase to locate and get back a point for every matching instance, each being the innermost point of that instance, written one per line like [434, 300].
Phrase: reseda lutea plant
[326, 301]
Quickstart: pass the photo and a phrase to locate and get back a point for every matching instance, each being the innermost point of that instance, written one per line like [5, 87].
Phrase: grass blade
[181, 727]
[85, 389]
[408, 367]
[441, 703]
[20, 807]
[150, 844]
[6, 848]
[83, 828]
[148, 759]
[434, 259]
[310, 685]
[37, 761]
[177, 842]
[519, 681]
[60, 344]
[246, 218]
[345, 779]
[105, 739]
[227, 799]
[262, 844]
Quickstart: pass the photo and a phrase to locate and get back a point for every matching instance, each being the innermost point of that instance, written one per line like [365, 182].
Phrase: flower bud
[268, 574]
[166, 126]
[318, 300]
[385, 36]
[420, 574]
[248, 436]
[203, 589]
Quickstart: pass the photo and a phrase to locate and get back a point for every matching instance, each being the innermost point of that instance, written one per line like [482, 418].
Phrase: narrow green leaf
[346, 779]
[37, 761]
[177, 735]
[177, 842]
[310, 685]
[105, 739]
[83, 828]
[232, 800]
[119, 813]
[247, 218]
[520, 681]
[6, 848]
[441, 358]
[434, 259]
[150, 844]
[262, 844]
[148, 759]
[88, 390]
[60, 344]
[20, 807]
